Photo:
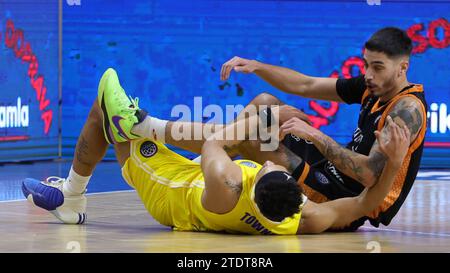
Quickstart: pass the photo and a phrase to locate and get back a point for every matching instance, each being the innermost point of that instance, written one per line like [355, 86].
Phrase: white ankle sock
[75, 184]
[152, 128]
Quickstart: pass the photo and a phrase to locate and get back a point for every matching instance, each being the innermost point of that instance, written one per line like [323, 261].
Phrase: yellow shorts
[165, 181]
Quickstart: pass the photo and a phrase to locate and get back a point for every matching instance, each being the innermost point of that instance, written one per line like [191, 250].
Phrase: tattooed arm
[408, 111]
[223, 178]
[339, 213]
[365, 169]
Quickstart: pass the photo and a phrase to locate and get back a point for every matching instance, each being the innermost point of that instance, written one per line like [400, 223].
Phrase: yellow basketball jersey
[171, 188]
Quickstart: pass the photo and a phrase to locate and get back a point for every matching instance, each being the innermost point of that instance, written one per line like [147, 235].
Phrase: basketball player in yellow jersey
[218, 195]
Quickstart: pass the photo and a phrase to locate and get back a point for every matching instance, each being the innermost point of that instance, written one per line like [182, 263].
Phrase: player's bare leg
[170, 132]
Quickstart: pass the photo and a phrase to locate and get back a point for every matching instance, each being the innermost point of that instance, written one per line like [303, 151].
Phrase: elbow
[205, 145]
[300, 89]
[372, 178]
[369, 181]
[363, 206]
[306, 86]
[208, 144]
[370, 174]
[367, 204]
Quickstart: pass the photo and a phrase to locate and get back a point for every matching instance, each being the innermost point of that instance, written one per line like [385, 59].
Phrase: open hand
[239, 65]
[287, 112]
[394, 141]
[298, 128]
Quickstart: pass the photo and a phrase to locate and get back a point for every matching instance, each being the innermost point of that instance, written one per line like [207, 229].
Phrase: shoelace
[132, 108]
[134, 102]
[53, 180]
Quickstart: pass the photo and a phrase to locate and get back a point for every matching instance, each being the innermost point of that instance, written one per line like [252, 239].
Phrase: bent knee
[266, 99]
[95, 114]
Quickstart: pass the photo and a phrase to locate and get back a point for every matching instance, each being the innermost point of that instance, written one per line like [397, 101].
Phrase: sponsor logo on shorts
[148, 149]
[322, 179]
[332, 169]
[296, 138]
[248, 164]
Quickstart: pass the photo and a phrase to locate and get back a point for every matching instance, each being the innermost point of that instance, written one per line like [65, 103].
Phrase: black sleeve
[351, 90]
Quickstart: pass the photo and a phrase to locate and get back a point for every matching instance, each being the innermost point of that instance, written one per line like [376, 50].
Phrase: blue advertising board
[29, 99]
[170, 52]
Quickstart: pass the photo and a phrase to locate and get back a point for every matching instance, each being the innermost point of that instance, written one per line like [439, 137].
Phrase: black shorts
[318, 178]
[306, 150]
[321, 186]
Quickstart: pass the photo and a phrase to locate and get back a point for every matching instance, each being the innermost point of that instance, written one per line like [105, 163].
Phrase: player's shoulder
[409, 111]
[405, 102]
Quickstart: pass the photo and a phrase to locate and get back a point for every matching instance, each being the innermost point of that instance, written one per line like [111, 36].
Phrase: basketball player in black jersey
[325, 169]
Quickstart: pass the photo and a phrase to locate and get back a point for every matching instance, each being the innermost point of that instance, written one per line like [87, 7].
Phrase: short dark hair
[278, 195]
[392, 41]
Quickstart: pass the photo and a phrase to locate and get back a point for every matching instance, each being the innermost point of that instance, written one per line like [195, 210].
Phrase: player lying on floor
[221, 195]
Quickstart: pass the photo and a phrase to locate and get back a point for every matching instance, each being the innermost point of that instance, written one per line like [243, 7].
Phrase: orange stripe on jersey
[304, 173]
[396, 189]
[366, 93]
[401, 175]
[416, 143]
[418, 88]
[421, 135]
[312, 194]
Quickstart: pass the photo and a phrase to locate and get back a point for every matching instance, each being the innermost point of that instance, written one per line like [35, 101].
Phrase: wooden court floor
[118, 222]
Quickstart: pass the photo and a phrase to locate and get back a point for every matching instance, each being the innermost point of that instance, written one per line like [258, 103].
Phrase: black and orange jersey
[322, 181]
[372, 117]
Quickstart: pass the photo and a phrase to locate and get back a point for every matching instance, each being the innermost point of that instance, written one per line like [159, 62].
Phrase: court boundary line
[87, 194]
[408, 232]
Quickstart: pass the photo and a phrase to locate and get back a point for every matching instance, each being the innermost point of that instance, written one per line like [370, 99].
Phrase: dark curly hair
[278, 195]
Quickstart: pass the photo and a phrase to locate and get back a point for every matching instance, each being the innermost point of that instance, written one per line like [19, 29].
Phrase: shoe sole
[38, 200]
[106, 124]
[101, 101]
[108, 130]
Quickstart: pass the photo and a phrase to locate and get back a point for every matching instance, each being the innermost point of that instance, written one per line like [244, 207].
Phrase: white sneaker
[49, 196]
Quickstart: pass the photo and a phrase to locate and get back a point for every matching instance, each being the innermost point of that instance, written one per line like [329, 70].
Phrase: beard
[385, 88]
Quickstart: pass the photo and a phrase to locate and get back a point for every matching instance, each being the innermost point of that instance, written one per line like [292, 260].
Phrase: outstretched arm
[284, 79]
[340, 213]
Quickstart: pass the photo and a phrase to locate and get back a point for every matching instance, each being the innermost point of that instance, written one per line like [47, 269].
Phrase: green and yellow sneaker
[120, 113]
